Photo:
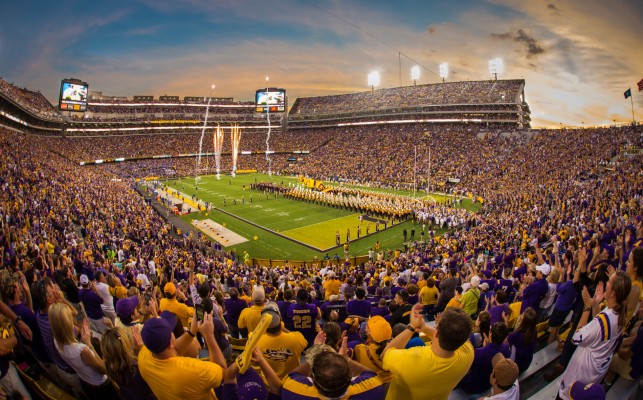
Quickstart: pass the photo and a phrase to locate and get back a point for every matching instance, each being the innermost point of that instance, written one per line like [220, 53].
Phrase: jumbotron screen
[270, 100]
[73, 95]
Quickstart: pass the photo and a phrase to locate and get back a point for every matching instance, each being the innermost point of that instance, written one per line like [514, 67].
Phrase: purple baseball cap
[157, 332]
[591, 391]
[251, 386]
[125, 306]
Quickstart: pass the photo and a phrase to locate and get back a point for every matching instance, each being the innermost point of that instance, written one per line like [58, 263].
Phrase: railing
[268, 262]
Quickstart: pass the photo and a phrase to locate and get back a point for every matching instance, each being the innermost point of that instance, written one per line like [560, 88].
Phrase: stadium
[190, 246]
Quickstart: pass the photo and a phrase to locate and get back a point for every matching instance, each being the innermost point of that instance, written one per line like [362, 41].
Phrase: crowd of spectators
[551, 240]
[471, 92]
[108, 300]
[35, 102]
[110, 147]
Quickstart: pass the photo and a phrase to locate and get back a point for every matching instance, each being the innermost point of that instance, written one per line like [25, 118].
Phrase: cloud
[533, 48]
[520, 36]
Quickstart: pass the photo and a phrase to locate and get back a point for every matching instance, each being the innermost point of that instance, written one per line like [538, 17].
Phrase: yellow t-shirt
[434, 381]
[282, 352]
[331, 287]
[179, 378]
[250, 317]
[454, 303]
[118, 291]
[361, 355]
[429, 296]
[182, 311]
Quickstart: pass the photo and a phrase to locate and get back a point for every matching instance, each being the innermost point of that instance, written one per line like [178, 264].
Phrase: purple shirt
[300, 387]
[304, 320]
[233, 310]
[533, 294]
[567, 294]
[37, 345]
[477, 379]
[48, 339]
[524, 351]
[92, 302]
[358, 307]
[496, 313]
[381, 311]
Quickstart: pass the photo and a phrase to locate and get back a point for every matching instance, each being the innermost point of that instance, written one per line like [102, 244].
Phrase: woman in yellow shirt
[429, 296]
[456, 299]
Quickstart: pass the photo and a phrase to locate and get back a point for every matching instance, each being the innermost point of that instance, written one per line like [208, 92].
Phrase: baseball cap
[581, 391]
[125, 306]
[544, 269]
[484, 286]
[259, 294]
[157, 332]
[505, 370]
[273, 309]
[169, 288]
[84, 280]
[251, 386]
[334, 297]
[380, 329]
[331, 274]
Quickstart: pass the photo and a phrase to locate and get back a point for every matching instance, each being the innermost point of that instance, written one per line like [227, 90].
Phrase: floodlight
[267, 79]
[374, 79]
[496, 66]
[444, 70]
[415, 73]
[213, 86]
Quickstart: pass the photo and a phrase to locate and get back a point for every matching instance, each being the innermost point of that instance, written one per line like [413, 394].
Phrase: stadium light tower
[444, 71]
[268, 159]
[496, 66]
[415, 74]
[374, 79]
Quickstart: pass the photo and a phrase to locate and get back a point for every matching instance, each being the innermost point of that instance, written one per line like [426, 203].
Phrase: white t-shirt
[144, 281]
[511, 394]
[71, 354]
[103, 292]
[596, 343]
[152, 267]
[549, 298]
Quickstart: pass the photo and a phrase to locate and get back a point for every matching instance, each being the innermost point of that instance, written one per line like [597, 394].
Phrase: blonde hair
[118, 355]
[111, 280]
[62, 324]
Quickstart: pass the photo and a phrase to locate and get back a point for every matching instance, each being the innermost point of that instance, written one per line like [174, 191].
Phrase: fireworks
[217, 139]
[235, 139]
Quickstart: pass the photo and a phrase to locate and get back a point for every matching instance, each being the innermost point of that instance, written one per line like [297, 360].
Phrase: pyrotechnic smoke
[217, 139]
[235, 139]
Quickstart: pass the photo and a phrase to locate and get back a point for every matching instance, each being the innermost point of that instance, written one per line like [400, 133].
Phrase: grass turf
[315, 225]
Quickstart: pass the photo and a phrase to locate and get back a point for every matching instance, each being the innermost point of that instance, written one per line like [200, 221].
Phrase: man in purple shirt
[303, 317]
[45, 294]
[359, 306]
[92, 302]
[332, 376]
[567, 293]
[477, 379]
[534, 292]
[234, 305]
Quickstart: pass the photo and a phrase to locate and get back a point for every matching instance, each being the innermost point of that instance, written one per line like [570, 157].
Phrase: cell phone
[147, 296]
[200, 310]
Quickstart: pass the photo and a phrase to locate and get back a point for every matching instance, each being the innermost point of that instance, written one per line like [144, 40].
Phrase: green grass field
[312, 224]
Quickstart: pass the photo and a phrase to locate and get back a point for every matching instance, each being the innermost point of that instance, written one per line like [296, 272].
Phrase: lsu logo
[277, 354]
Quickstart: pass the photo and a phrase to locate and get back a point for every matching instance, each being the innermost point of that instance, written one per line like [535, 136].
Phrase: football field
[281, 228]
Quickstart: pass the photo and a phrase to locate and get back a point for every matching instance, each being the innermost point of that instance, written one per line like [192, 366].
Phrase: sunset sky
[577, 56]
